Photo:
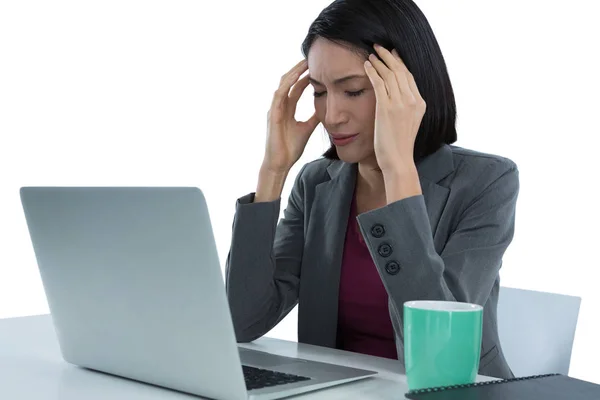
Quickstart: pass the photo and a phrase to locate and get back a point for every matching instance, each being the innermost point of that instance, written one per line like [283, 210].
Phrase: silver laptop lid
[134, 285]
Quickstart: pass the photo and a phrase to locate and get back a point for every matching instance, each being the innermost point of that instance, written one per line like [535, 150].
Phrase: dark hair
[399, 24]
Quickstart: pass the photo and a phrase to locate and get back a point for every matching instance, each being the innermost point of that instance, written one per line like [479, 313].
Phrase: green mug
[442, 343]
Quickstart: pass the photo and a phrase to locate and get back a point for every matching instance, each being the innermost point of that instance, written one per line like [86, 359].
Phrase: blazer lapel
[318, 310]
[326, 233]
[433, 169]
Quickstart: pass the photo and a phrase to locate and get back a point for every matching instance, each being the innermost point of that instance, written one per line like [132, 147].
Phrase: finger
[296, 93]
[409, 76]
[292, 75]
[388, 76]
[310, 124]
[396, 65]
[399, 72]
[301, 64]
[299, 88]
[378, 83]
[408, 87]
[287, 80]
[415, 89]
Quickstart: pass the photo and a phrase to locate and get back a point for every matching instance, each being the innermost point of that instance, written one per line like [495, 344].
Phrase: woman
[391, 213]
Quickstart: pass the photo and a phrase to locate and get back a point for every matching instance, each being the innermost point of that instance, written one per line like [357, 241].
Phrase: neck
[370, 177]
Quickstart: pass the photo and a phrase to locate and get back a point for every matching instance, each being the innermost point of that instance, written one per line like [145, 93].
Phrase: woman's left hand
[399, 111]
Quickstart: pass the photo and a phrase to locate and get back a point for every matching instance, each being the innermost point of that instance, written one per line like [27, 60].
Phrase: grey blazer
[446, 244]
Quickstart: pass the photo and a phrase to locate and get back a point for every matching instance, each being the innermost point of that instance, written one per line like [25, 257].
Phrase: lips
[342, 135]
[341, 139]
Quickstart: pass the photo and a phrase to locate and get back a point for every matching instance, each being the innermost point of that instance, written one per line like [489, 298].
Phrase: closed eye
[349, 94]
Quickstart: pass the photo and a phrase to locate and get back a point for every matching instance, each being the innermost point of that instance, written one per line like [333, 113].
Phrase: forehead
[328, 60]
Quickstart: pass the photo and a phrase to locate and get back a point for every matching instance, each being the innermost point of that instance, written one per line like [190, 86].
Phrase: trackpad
[261, 359]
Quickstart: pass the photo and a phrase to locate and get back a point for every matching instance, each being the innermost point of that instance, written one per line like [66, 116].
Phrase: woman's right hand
[286, 137]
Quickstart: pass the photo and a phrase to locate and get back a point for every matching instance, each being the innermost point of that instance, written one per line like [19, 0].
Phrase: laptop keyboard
[257, 378]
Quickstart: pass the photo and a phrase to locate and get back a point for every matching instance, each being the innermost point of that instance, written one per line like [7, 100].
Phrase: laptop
[135, 289]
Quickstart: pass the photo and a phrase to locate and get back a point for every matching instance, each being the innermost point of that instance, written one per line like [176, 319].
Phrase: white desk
[31, 367]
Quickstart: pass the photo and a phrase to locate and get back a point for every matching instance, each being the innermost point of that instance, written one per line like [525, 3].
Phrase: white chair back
[537, 330]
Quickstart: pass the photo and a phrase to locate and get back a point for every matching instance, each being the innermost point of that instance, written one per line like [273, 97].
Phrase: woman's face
[344, 99]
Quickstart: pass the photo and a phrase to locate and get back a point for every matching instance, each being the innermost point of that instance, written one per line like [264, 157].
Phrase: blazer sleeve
[466, 268]
[262, 272]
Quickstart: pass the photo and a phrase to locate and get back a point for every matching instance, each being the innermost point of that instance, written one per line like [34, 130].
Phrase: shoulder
[477, 168]
[479, 175]
[310, 175]
[315, 172]
[473, 160]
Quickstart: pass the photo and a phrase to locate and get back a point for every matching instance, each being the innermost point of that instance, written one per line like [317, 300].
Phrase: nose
[334, 115]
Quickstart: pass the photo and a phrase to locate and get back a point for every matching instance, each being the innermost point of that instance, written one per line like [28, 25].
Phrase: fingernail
[368, 63]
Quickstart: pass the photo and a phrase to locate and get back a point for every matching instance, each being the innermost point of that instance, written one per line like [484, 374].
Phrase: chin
[351, 154]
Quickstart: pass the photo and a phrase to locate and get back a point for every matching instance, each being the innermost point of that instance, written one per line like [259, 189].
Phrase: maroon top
[364, 324]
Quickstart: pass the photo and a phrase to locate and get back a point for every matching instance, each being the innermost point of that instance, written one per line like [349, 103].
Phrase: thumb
[311, 123]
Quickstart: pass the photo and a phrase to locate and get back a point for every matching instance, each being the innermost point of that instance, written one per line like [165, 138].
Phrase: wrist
[400, 168]
[270, 185]
[266, 169]
[401, 182]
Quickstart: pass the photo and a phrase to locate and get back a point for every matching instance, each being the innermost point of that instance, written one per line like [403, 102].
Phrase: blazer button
[392, 267]
[377, 230]
[384, 250]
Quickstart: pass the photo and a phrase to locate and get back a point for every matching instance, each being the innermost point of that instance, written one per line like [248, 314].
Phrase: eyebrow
[339, 80]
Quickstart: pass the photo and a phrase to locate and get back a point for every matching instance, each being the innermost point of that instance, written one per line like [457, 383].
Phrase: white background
[176, 93]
